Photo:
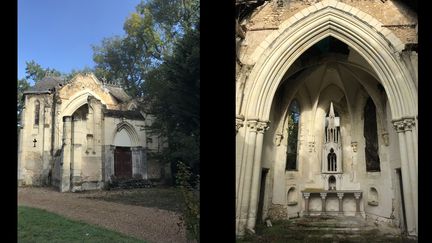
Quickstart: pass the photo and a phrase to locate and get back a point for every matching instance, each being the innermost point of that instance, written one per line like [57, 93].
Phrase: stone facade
[320, 53]
[80, 134]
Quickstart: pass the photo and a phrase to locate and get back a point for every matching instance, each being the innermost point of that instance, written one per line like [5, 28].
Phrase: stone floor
[326, 229]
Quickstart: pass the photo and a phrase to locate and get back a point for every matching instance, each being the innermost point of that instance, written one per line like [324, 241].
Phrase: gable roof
[45, 85]
[118, 93]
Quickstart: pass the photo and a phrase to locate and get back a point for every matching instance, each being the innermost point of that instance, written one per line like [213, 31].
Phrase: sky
[59, 33]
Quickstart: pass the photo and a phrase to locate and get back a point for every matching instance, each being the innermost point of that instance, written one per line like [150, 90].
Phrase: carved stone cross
[34, 142]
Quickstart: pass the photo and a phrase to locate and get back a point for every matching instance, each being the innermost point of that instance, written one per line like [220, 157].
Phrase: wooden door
[122, 162]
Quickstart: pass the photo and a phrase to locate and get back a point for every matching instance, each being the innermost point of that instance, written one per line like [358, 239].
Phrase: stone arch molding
[378, 45]
[78, 100]
[130, 130]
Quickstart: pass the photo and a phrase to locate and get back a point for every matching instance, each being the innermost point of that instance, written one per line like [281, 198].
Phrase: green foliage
[22, 85]
[36, 225]
[36, 73]
[151, 33]
[173, 93]
[292, 132]
[190, 188]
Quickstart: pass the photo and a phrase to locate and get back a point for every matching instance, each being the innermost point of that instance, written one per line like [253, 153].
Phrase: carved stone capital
[262, 126]
[340, 195]
[252, 124]
[399, 126]
[357, 195]
[306, 195]
[323, 195]
[404, 124]
[239, 122]
[409, 123]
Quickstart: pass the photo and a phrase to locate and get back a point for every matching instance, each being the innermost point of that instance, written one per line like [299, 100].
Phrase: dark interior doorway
[264, 173]
[403, 217]
[122, 162]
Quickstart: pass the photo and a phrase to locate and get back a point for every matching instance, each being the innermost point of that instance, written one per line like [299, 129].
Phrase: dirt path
[150, 224]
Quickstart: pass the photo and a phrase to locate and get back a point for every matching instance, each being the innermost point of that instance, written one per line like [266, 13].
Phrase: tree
[150, 36]
[35, 72]
[22, 85]
[174, 96]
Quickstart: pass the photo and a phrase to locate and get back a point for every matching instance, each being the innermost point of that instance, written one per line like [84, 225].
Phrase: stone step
[131, 183]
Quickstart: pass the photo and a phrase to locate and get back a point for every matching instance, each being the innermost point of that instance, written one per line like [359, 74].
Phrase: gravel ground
[149, 224]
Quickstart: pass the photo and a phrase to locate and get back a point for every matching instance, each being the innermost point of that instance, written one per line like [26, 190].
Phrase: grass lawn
[168, 198]
[36, 225]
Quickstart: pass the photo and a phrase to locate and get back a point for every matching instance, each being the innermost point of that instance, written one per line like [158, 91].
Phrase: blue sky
[59, 33]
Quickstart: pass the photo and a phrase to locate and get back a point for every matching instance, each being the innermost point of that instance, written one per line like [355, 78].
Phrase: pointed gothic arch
[279, 51]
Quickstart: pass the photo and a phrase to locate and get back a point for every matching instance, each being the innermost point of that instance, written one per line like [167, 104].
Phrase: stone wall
[395, 16]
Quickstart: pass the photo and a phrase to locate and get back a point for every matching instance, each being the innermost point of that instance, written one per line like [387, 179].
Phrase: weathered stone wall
[35, 141]
[393, 15]
[154, 169]
[277, 212]
[89, 136]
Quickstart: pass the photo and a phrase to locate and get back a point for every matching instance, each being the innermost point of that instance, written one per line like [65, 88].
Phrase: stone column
[323, 202]
[256, 175]
[76, 166]
[306, 196]
[21, 161]
[239, 150]
[413, 162]
[67, 149]
[98, 134]
[357, 198]
[109, 163]
[340, 197]
[409, 183]
[246, 176]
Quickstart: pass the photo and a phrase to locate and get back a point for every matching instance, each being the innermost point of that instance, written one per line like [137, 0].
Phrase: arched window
[371, 137]
[37, 109]
[331, 161]
[293, 122]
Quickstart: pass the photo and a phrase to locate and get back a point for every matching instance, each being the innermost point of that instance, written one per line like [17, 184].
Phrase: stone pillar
[246, 176]
[21, 160]
[67, 149]
[98, 135]
[109, 163]
[239, 150]
[409, 178]
[76, 166]
[323, 202]
[139, 167]
[340, 197]
[413, 162]
[357, 198]
[306, 196]
[256, 175]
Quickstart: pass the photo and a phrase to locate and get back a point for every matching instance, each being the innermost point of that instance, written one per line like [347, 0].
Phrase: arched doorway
[358, 50]
[122, 155]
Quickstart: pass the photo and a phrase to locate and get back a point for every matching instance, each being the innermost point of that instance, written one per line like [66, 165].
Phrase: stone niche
[332, 152]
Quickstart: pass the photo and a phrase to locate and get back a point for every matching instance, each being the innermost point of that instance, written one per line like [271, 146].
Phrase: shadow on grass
[167, 198]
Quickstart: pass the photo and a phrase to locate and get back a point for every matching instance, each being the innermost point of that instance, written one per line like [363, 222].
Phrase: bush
[190, 194]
